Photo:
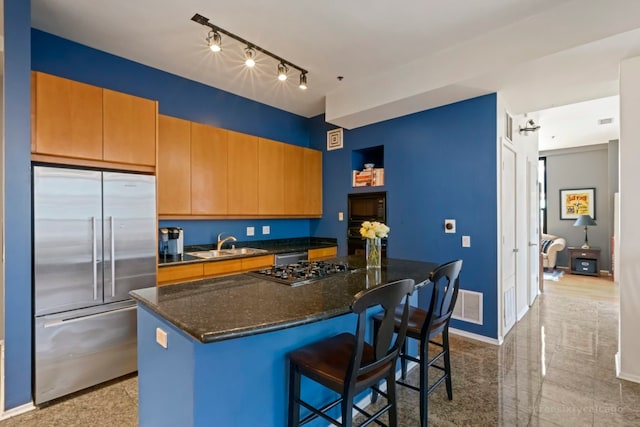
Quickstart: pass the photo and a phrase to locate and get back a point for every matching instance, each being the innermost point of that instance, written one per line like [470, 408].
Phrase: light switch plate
[266, 229]
[340, 216]
[466, 241]
[161, 338]
[251, 231]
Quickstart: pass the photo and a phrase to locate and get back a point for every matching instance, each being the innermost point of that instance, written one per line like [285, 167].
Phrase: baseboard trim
[622, 375]
[476, 337]
[522, 313]
[17, 411]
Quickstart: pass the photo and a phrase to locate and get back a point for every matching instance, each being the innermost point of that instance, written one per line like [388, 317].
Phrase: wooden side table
[584, 261]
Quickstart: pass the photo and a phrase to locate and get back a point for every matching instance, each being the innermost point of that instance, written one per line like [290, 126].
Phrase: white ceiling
[396, 58]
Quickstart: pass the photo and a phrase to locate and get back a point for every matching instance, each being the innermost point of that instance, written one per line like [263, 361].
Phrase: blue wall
[439, 163]
[17, 128]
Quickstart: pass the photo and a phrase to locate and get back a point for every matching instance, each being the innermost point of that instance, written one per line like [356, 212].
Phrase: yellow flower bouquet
[374, 231]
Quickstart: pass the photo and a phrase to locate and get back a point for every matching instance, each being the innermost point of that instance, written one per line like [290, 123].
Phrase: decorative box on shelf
[373, 177]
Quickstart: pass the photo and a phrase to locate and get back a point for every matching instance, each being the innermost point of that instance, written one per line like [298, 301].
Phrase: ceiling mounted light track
[214, 41]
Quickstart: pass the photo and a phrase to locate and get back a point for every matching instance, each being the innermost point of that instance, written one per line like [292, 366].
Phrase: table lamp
[584, 221]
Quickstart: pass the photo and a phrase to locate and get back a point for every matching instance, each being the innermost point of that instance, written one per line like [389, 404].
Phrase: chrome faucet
[226, 239]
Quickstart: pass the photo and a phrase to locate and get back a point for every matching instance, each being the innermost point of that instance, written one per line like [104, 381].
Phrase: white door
[509, 244]
[533, 230]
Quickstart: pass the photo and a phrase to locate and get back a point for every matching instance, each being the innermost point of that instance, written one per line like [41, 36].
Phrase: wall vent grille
[468, 307]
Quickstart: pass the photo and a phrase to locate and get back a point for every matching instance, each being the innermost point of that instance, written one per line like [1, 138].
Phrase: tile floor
[555, 368]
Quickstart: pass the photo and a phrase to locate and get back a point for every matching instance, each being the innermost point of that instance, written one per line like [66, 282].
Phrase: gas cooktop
[302, 272]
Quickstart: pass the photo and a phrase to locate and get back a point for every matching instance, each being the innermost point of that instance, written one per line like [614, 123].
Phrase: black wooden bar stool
[424, 326]
[348, 365]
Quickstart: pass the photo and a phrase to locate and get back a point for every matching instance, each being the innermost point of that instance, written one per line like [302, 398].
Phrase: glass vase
[373, 252]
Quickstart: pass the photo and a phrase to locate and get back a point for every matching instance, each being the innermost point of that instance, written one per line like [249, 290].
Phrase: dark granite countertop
[273, 246]
[235, 306]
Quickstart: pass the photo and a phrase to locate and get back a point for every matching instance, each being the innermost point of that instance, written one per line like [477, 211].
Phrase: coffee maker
[171, 242]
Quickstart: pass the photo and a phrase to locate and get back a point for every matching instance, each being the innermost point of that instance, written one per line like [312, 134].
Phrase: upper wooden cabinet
[73, 120]
[209, 172]
[294, 179]
[129, 128]
[174, 166]
[242, 184]
[271, 177]
[216, 173]
[312, 182]
[67, 117]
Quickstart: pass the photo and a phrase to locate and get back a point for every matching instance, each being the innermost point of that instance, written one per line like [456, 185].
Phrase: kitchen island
[213, 352]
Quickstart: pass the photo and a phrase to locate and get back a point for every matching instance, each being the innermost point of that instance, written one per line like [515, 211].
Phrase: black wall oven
[364, 207]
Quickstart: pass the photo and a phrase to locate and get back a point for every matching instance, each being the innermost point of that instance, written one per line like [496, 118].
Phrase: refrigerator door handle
[95, 259]
[59, 322]
[113, 258]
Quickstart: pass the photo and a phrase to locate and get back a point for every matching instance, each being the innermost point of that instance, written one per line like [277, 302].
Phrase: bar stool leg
[447, 363]
[374, 394]
[294, 395]
[424, 382]
[391, 393]
[403, 360]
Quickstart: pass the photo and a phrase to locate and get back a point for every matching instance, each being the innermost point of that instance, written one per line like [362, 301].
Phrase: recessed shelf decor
[368, 167]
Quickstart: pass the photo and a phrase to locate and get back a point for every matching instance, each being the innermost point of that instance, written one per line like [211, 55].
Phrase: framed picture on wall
[577, 201]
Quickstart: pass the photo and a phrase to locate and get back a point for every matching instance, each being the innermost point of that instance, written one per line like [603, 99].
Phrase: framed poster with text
[576, 202]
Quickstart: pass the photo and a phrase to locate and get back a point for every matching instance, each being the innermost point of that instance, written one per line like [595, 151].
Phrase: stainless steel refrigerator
[94, 241]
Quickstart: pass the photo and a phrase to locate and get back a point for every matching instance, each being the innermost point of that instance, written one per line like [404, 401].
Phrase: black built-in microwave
[364, 207]
[367, 207]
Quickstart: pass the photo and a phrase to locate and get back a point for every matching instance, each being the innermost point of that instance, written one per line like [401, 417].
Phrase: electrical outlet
[266, 229]
[466, 241]
[251, 231]
[161, 337]
[340, 216]
[449, 225]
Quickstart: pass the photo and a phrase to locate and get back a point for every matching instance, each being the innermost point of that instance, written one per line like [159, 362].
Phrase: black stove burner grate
[301, 272]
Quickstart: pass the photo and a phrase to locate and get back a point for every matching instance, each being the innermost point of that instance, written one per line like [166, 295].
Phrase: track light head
[303, 81]
[282, 72]
[250, 55]
[214, 41]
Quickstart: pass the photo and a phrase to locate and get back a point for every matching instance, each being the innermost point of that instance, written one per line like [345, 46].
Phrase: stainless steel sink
[226, 253]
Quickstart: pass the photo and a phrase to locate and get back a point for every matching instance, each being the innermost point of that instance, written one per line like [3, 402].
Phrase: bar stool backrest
[390, 296]
[445, 280]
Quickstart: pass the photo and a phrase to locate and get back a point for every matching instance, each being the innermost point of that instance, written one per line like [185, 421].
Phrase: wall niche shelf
[367, 166]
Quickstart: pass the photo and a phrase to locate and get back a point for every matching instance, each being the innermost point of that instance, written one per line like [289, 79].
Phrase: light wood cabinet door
[271, 174]
[179, 273]
[294, 177]
[174, 166]
[242, 184]
[68, 118]
[209, 150]
[129, 134]
[312, 182]
[318, 254]
[255, 263]
[221, 268]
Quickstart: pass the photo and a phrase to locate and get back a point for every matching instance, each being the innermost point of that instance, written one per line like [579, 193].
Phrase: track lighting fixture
[303, 81]
[282, 72]
[214, 42]
[250, 54]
